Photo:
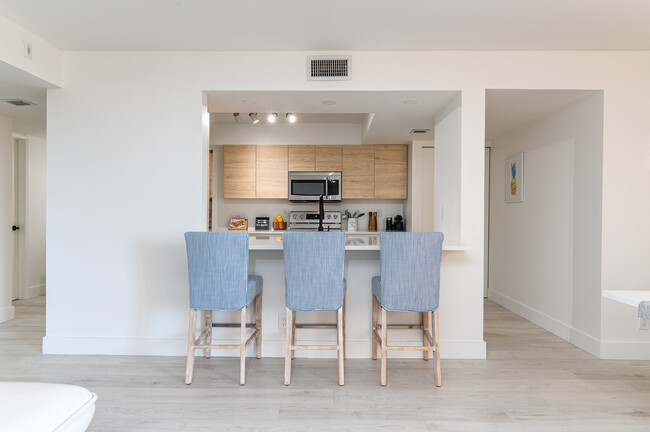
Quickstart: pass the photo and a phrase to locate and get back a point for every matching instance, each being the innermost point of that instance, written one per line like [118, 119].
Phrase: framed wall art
[514, 178]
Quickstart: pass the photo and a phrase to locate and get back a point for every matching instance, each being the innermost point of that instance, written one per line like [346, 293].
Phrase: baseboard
[34, 291]
[6, 314]
[546, 322]
[585, 342]
[270, 348]
[614, 350]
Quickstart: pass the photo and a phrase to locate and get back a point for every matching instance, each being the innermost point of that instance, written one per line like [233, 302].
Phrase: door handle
[14, 228]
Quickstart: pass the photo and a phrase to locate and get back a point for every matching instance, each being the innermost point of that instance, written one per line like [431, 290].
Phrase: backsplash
[250, 208]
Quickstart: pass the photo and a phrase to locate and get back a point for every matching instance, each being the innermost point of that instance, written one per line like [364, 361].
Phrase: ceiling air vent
[18, 102]
[420, 131]
[328, 68]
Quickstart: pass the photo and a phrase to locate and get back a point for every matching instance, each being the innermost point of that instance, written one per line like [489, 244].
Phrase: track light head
[254, 118]
[272, 117]
[291, 117]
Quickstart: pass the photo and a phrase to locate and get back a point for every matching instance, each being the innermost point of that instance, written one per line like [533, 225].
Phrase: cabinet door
[328, 158]
[272, 167]
[391, 172]
[358, 163]
[302, 158]
[239, 171]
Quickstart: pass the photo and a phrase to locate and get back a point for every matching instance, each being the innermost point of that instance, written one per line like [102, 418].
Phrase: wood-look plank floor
[531, 381]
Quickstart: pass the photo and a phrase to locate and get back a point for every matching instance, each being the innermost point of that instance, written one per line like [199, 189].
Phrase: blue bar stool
[409, 282]
[313, 269]
[218, 270]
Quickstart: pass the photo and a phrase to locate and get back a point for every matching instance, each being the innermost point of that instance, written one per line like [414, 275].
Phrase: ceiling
[335, 25]
[340, 25]
[391, 114]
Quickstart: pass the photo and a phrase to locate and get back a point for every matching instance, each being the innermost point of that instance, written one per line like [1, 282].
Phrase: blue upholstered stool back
[313, 270]
[410, 270]
[217, 264]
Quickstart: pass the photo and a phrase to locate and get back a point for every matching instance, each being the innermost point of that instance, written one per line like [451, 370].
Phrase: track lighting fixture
[291, 117]
[272, 117]
[236, 115]
[254, 118]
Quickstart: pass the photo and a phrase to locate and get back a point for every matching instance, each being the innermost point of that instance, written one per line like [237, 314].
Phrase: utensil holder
[353, 223]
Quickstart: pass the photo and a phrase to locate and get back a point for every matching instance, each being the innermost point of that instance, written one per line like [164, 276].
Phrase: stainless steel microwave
[309, 186]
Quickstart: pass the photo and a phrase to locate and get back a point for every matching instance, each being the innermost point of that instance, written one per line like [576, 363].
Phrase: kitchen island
[361, 264]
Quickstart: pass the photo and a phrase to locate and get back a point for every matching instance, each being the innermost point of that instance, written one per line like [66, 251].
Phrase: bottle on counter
[389, 224]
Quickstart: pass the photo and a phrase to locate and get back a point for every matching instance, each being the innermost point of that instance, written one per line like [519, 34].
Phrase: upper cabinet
[239, 171]
[302, 158]
[391, 172]
[358, 163]
[272, 168]
[328, 158]
[369, 171]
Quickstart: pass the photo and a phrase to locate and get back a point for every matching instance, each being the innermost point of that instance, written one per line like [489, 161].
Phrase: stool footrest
[314, 347]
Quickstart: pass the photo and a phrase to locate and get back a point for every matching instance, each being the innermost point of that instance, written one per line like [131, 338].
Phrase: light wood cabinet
[271, 174]
[328, 158]
[302, 158]
[391, 180]
[369, 171]
[239, 171]
[358, 167]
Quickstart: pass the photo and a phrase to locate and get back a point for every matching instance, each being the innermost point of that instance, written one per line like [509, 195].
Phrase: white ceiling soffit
[383, 117]
[18, 84]
[506, 110]
[335, 25]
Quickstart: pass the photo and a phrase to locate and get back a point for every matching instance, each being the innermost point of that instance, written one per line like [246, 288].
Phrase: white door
[486, 243]
[19, 195]
[427, 188]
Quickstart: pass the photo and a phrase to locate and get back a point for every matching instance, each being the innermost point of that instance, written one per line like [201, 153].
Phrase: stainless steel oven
[309, 186]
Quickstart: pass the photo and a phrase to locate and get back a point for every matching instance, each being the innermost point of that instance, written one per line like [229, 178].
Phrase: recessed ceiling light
[254, 118]
[248, 102]
[272, 117]
[329, 102]
[410, 102]
[291, 117]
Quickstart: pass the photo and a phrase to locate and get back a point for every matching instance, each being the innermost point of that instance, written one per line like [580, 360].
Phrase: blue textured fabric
[410, 271]
[217, 264]
[644, 310]
[313, 270]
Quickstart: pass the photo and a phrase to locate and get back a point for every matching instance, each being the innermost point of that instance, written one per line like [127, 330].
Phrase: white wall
[6, 219]
[285, 134]
[447, 172]
[142, 166]
[545, 251]
[35, 218]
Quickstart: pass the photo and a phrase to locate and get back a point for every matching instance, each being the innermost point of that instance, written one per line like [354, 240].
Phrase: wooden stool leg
[436, 344]
[425, 339]
[258, 325]
[384, 333]
[191, 338]
[375, 313]
[208, 337]
[288, 353]
[343, 327]
[341, 340]
[293, 332]
[242, 349]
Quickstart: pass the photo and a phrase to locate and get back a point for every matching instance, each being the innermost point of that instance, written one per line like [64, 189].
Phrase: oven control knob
[302, 216]
[329, 216]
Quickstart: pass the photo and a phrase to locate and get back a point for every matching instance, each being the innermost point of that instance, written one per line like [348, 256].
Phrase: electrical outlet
[282, 320]
[644, 324]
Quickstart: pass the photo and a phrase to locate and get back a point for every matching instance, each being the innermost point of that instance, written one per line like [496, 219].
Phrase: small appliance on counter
[262, 223]
[398, 224]
[308, 220]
